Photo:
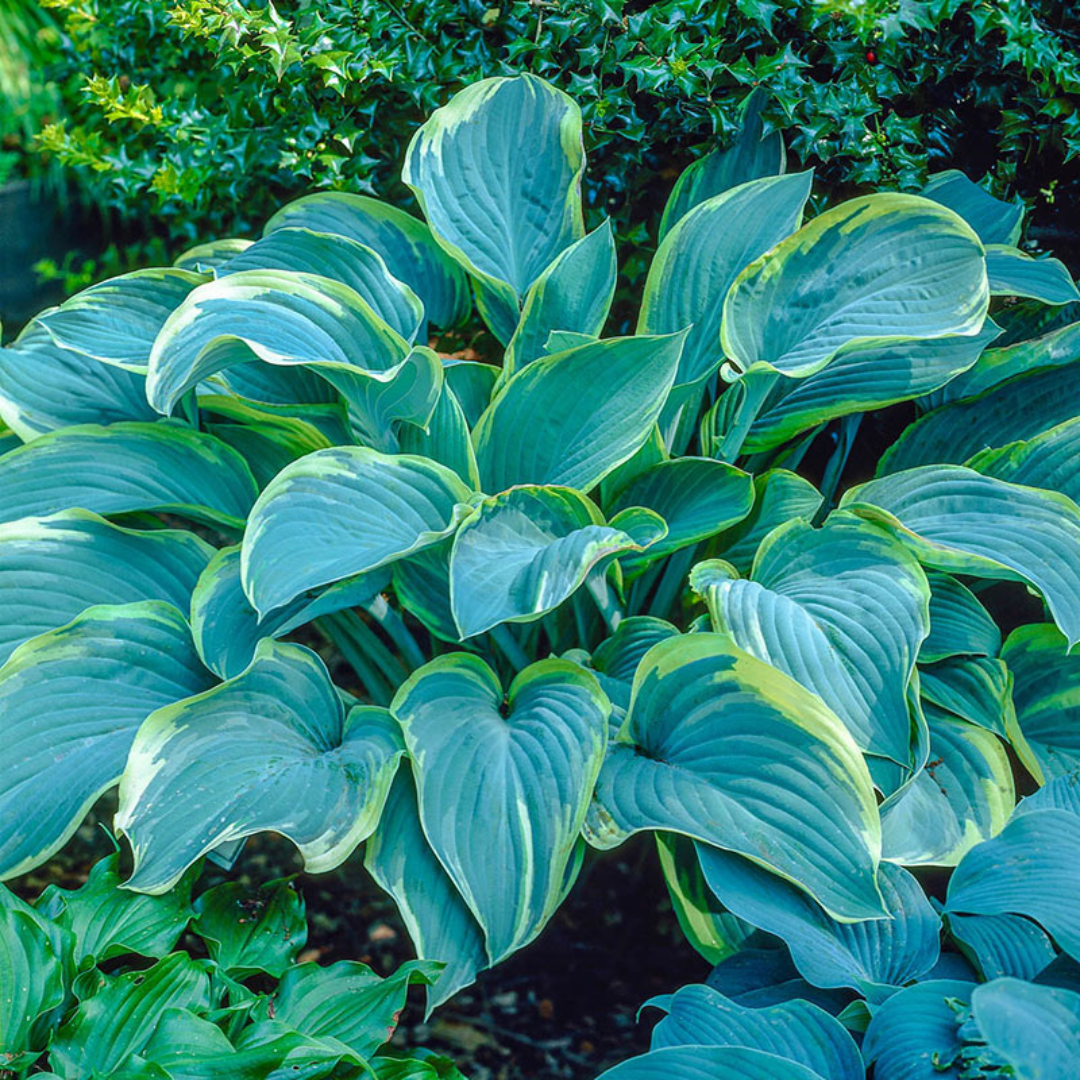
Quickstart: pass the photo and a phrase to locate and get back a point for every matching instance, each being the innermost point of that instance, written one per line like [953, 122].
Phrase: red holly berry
[871, 56]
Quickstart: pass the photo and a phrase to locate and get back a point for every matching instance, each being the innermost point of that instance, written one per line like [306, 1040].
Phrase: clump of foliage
[92, 984]
[584, 593]
[201, 116]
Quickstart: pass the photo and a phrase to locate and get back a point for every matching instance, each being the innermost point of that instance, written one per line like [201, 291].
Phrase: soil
[564, 1008]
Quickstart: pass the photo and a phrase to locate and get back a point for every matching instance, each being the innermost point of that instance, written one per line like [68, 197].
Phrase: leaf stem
[756, 386]
[509, 647]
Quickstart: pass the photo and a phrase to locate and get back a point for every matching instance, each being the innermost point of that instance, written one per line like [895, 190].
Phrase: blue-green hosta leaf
[119, 1020]
[385, 506]
[522, 553]
[962, 796]
[995, 221]
[206, 258]
[446, 439]
[503, 214]
[1032, 868]
[874, 268]
[1058, 346]
[1046, 701]
[1035, 1029]
[763, 977]
[268, 443]
[44, 387]
[975, 688]
[574, 294]
[1018, 409]
[570, 418]
[956, 520]
[779, 496]
[125, 467]
[862, 377]
[442, 927]
[422, 584]
[108, 921]
[521, 781]
[796, 1030]
[53, 568]
[1046, 460]
[31, 984]
[334, 256]
[347, 1001]
[915, 1035]
[709, 1062]
[409, 250]
[959, 624]
[71, 701]
[704, 253]
[1061, 793]
[1003, 945]
[226, 628]
[873, 957]
[713, 932]
[1011, 272]
[753, 154]
[271, 749]
[473, 385]
[843, 610]
[250, 930]
[726, 749]
[117, 320]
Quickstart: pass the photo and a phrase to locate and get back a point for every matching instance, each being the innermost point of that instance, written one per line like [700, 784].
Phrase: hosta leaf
[347, 1001]
[117, 320]
[995, 221]
[712, 931]
[1061, 793]
[71, 701]
[1003, 945]
[120, 1018]
[779, 496]
[422, 584]
[861, 377]
[574, 293]
[873, 268]
[721, 747]
[1031, 868]
[1013, 273]
[271, 749]
[703, 254]
[708, 1062]
[873, 957]
[753, 154]
[955, 520]
[227, 629]
[126, 467]
[762, 977]
[502, 214]
[585, 411]
[962, 796]
[353, 264]
[1035, 1029]
[842, 610]
[439, 922]
[206, 258]
[796, 1030]
[915, 1034]
[473, 385]
[108, 921]
[975, 688]
[386, 506]
[251, 930]
[1046, 460]
[522, 553]
[409, 250]
[1018, 409]
[446, 439]
[959, 624]
[1046, 700]
[31, 983]
[44, 387]
[519, 774]
[53, 568]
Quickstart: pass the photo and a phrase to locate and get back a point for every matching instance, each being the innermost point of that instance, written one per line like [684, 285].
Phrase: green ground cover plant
[587, 591]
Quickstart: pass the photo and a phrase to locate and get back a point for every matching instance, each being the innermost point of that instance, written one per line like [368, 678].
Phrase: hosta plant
[92, 985]
[584, 591]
